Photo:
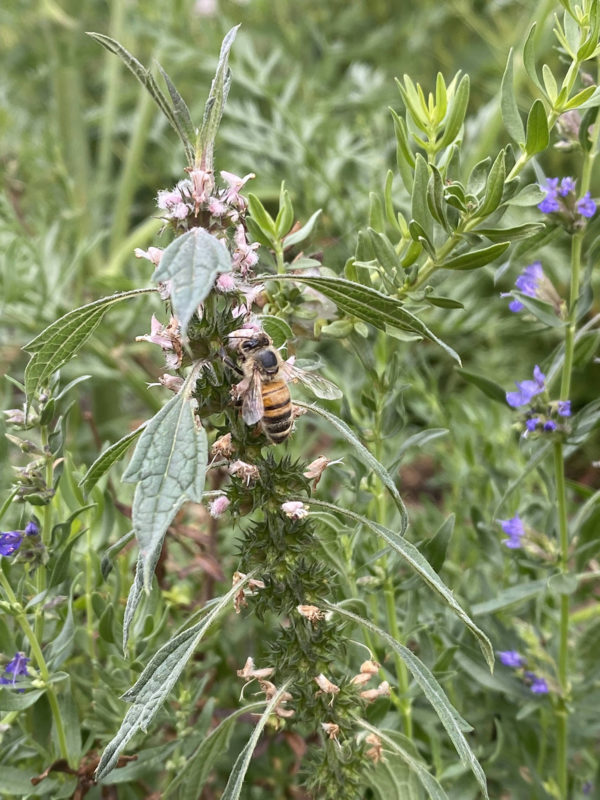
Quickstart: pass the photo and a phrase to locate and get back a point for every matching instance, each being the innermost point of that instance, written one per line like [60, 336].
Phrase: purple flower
[564, 408]
[528, 280]
[586, 206]
[515, 530]
[550, 425]
[510, 658]
[515, 305]
[532, 423]
[550, 204]
[587, 787]
[16, 667]
[527, 389]
[10, 542]
[566, 185]
[32, 529]
[538, 685]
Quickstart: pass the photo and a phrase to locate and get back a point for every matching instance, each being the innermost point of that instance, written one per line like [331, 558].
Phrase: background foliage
[84, 152]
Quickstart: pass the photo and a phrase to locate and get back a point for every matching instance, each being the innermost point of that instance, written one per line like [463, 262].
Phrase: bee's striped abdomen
[277, 415]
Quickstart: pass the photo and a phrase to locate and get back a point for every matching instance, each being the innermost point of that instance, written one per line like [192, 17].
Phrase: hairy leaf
[414, 558]
[191, 262]
[538, 135]
[157, 679]
[476, 258]
[508, 103]
[59, 342]
[109, 457]
[368, 304]
[169, 463]
[213, 110]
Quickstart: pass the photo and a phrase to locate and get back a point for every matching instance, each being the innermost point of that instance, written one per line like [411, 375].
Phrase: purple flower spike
[550, 426]
[527, 389]
[539, 686]
[550, 203]
[566, 185]
[18, 666]
[586, 206]
[515, 531]
[515, 306]
[510, 658]
[10, 542]
[32, 529]
[564, 408]
[531, 424]
[528, 280]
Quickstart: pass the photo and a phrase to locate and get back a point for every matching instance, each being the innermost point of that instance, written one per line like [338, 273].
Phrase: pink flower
[180, 211]
[216, 207]
[168, 338]
[232, 194]
[218, 506]
[226, 282]
[168, 198]
[152, 254]
[244, 257]
[202, 185]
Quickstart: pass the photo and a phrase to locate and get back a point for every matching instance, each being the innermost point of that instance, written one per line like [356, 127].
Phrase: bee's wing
[252, 405]
[317, 385]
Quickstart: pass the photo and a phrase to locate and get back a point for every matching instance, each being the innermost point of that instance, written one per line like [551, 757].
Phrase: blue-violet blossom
[510, 658]
[564, 408]
[16, 667]
[515, 530]
[527, 389]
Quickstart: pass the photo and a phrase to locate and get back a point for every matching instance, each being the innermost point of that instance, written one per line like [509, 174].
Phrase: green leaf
[538, 136]
[580, 100]
[106, 563]
[442, 302]
[11, 701]
[384, 251]
[456, 113]
[196, 770]
[538, 455]
[285, 215]
[404, 156]
[427, 780]
[277, 328]
[414, 558]
[435, 197]
[540, 309]
[510, 597]
[417, 440]
[448, 715]
[181, 117]
[169, 463]
[238, 772]
[59, 342]
[476, 258]
[158, 678]
[508, 104]
[147, 80]
[523, 231]
[529, 58]
[191, 262]
[419, 207]
[213, 110]
[494, 187]
[491, 389]
[364, 455]
[302, 233]
[109, 457]
[530, 196]
[368, 304]
[261, 216]
[15, 782]
[435, 549]
[376, 217]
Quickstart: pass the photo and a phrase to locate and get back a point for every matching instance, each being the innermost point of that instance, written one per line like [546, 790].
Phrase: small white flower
[218, 506]
[294, 509]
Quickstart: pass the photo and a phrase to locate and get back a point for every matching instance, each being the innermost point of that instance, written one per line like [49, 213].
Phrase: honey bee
[264, 391]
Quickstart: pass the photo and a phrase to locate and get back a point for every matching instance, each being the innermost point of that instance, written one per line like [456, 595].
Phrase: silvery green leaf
[169, 463]
[537, 136]
[191, 262]
[61, 340]
[414, 558]
[510, 110]
[213, 110]
[158, 678]
[181, 117]
[238, 773]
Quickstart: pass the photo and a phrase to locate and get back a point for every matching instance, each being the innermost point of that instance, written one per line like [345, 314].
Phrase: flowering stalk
[562, 709]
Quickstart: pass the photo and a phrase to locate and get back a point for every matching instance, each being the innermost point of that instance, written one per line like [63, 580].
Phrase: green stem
[36, 651]
[40, 575]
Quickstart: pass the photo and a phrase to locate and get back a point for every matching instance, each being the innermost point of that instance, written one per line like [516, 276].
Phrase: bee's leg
[232, 365]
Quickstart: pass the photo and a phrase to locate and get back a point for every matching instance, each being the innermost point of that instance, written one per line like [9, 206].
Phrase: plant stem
[36, 651]
[40, 575]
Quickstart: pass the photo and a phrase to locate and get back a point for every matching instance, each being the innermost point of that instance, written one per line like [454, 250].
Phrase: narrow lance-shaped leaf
[213, 110]
[508, 104]
[419, 208]
[191, 262]
[414, 558]
[181, 117]
[109, 457]
[364, 455]
[170, 464]
[238, 773]
[427, 780]
[147, 80]
[158, 678]
[59, 342]
[302, 233]
[368, 304]
[494, 187]
[476, 258]
[456, 113]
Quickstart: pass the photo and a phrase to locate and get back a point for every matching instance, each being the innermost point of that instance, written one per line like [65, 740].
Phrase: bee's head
[248, 346]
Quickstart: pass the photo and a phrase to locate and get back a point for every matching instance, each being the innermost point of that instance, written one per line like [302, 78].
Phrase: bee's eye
[246, 345]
